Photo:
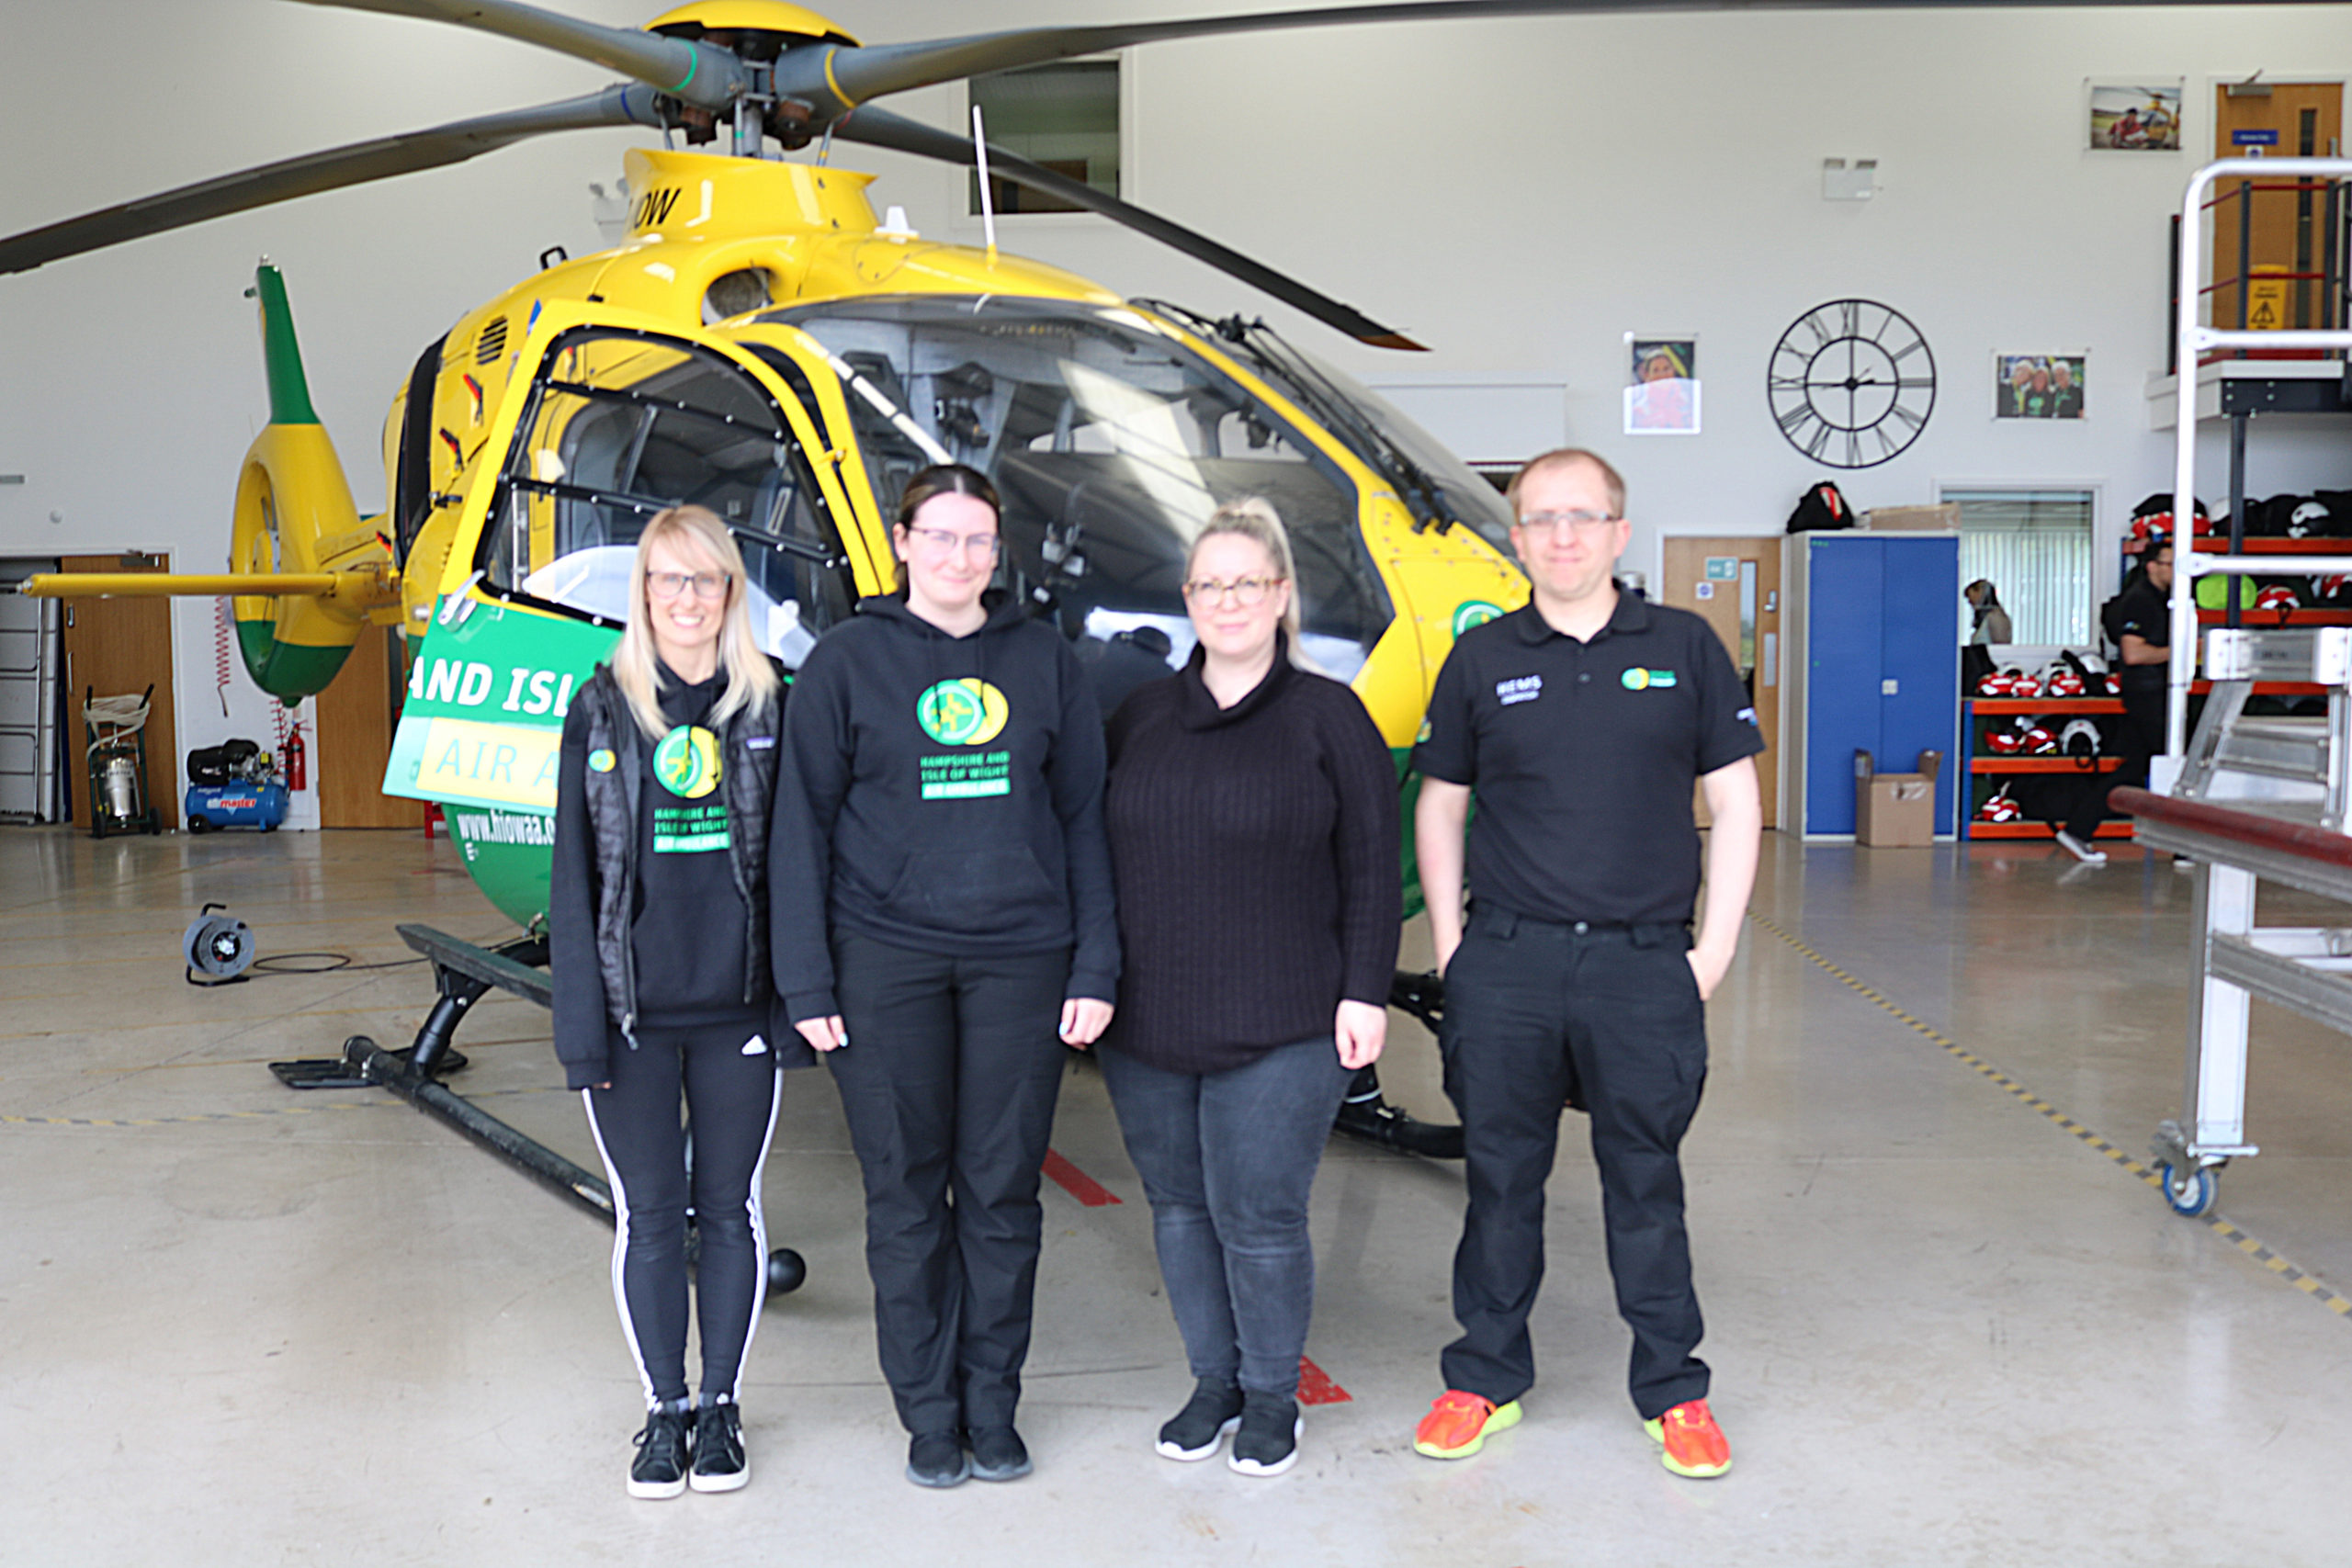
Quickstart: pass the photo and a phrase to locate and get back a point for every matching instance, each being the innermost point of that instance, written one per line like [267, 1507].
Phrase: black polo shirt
[1582, 756]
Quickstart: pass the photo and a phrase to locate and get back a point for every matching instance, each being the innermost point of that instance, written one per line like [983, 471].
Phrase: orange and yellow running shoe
[1693, 1444]
[1457, 1425]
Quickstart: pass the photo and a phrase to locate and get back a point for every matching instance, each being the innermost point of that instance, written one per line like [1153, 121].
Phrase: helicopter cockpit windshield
[1110, 444]
[622, 425]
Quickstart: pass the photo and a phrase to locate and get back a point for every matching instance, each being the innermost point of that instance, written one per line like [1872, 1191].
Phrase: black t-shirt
[1582, 757]
[687, 926]
[2147, 615]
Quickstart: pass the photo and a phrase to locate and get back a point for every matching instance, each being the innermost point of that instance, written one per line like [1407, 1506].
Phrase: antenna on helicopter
[988, 198]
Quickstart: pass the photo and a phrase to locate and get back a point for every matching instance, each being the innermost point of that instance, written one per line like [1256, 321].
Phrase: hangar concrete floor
[240, 1325]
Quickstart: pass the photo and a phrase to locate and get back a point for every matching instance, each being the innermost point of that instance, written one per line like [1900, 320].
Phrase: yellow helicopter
[761, 343]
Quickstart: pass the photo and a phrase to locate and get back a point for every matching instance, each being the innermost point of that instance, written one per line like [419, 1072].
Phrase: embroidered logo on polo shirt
[1524, 689]
[1640, 680]
[1745, 715]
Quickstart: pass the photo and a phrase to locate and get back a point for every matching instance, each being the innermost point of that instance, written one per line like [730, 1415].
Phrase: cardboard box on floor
[1894, 810]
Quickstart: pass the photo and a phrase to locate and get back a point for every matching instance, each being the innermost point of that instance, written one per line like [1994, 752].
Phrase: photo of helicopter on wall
[2135, 119]
[1662, 396]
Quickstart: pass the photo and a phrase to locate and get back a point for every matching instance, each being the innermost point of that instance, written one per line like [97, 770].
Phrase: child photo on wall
[1662, 398]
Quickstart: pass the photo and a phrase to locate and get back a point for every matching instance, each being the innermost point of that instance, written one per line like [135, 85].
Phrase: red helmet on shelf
[2280, 598]
[2026, 686]
[2000, 808]
[2004, 742]
[1997, 684]
[2062, 683]
[2040, 740]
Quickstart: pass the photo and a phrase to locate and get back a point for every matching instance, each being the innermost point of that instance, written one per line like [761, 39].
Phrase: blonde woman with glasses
[658, 927]
[1254, 824]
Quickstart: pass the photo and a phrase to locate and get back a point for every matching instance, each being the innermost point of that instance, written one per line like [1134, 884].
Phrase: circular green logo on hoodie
[969, 712]
[687, 761]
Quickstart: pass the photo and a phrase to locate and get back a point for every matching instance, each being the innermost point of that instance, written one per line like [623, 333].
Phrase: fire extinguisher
[298, 772]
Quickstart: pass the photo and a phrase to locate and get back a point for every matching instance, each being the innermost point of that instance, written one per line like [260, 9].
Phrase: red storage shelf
[2039, 765]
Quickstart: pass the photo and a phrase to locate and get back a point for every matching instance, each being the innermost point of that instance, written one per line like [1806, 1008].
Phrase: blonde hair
[698, 532]
[1253, 517]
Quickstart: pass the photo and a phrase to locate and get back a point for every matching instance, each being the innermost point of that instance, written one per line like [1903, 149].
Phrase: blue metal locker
[1882, 666]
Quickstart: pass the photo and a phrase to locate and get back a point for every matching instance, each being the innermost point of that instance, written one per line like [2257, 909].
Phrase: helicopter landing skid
[1366, 1114]
[464, 973]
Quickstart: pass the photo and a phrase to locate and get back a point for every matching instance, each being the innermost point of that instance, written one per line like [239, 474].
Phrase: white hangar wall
[1517, 195]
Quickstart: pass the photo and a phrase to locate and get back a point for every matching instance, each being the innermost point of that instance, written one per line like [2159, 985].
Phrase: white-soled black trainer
[719, 1464]
[663, 1452]
[1198, 1430]
[1267, 1443]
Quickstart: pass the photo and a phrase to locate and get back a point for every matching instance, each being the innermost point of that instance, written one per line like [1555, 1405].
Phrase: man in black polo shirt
[1580, 723]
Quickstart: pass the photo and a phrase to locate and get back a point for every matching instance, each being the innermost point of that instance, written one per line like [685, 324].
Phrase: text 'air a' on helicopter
[761, 345]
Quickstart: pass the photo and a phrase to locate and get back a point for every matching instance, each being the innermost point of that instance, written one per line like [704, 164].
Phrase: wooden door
[1734, 585]
[356, 714]
[2285, 229]
[115, 645]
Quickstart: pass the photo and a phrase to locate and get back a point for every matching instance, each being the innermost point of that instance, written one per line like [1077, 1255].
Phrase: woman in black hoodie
[943, 775]
[658, 924]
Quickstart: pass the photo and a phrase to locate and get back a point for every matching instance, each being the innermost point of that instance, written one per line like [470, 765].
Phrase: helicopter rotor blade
[621, 104]
[879, 128]
[837, 79]
[703, 75]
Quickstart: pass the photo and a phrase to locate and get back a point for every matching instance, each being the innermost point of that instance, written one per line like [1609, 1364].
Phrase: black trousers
[731, 1088]
[1530, 1007]
[2143, 736]
[948, 1083]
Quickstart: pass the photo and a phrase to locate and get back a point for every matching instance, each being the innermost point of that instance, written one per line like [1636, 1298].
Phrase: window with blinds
[2034, 547]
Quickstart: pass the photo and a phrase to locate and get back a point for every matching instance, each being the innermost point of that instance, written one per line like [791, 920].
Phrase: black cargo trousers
[1535, 1010]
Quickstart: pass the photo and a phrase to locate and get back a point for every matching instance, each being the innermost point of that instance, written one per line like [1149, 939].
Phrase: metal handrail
[2192, 340]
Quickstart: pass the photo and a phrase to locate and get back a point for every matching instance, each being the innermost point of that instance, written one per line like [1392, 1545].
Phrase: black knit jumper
[1256, 859]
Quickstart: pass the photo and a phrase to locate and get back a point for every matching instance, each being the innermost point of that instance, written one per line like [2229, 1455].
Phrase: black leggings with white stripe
[730, 1087]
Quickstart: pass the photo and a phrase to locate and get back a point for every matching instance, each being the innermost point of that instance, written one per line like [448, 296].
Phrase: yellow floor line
[2261, 1253]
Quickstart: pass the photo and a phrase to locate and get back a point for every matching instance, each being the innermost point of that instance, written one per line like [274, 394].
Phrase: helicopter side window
[622, 426]
[1109, 444]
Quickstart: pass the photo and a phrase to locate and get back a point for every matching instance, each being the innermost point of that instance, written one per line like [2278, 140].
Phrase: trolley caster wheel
[2193, 1194]
[196, 824]
[787, 1270]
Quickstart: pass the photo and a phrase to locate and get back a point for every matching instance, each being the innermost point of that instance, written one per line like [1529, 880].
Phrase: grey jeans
[1227, 1160]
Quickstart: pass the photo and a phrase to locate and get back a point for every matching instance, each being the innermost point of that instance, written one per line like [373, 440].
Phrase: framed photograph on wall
[2127, 117]
[2039, 386]
[1662, 386]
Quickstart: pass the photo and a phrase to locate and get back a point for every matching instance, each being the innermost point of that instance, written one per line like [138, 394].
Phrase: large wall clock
[1852, 383]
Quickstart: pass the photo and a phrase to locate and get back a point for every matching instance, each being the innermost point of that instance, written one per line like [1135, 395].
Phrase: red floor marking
[1077, 1183]
[1315, 1387]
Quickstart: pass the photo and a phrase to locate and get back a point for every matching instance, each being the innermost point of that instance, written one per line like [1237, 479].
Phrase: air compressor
[233, 785]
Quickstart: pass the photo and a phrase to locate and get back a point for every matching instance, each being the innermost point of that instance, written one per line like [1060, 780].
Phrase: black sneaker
[937, 1458]
[719, 1464]
[1267, 1443]
[660, 1469]
[1198, 1430]
[997, 1453]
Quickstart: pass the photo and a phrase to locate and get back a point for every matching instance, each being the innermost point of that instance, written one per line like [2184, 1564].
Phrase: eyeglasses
[947, 542]
[669, 584]
[1559, 523]
[1248, 592]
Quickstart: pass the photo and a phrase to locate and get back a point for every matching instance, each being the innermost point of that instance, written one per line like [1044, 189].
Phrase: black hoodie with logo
[947, 796]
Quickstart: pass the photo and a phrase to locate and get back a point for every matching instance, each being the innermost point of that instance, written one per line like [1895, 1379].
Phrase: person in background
[1252, 818]
[1581, 722]
[658, 923]
[1992, 623]
[2138, 621]
[944, 778]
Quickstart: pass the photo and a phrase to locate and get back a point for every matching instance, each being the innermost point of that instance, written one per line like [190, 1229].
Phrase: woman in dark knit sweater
[1253, 817]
